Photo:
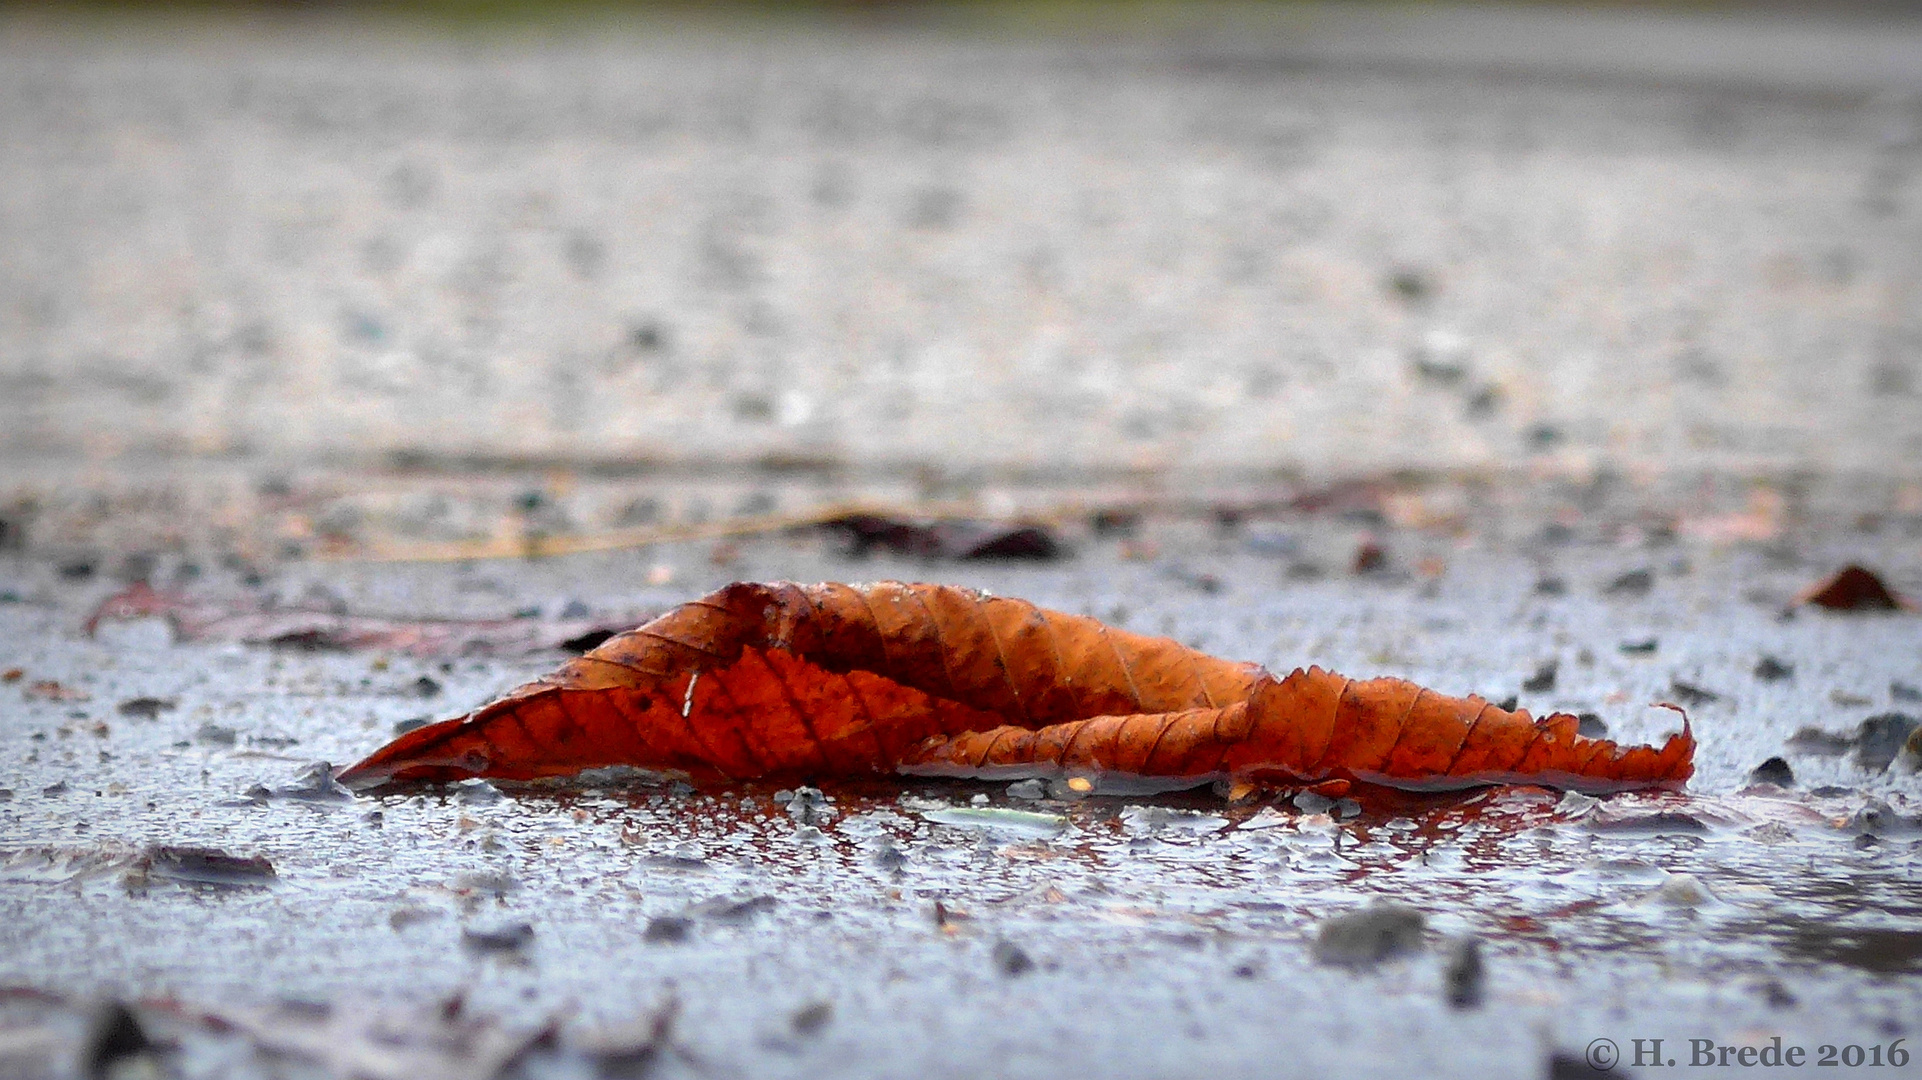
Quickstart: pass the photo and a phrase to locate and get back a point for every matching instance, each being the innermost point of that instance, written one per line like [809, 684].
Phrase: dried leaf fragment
[766, 680]
[1854, 588]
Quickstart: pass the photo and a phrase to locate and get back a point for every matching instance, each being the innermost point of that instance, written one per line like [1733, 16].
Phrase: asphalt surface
[1600, 327]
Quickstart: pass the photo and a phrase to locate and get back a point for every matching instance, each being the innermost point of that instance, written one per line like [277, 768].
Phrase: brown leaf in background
[1854, 588]
[760, 680]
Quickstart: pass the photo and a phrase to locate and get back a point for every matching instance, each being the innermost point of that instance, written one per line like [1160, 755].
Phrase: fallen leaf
[49, 690]
[759, 680]
[1854, 588]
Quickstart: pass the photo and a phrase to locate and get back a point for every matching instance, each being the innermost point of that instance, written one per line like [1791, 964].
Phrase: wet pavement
[949, 928]
[1538, 354]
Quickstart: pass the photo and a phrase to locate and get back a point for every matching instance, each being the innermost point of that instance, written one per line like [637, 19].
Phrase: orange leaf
[785, 680]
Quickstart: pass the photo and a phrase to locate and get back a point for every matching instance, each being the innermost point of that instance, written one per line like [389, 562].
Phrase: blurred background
[427, 265]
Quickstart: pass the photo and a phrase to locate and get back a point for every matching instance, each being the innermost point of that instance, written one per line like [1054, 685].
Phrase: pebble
[1881, 737]
[512, 937]
[1681, 890]
[1773, 771]
[1011, 959]
[667, 929]
[1378, 932]
[1030, 789]
[1464, 976]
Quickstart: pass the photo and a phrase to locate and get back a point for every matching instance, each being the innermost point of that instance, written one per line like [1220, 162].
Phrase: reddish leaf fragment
[1854, 588]
[760, 680]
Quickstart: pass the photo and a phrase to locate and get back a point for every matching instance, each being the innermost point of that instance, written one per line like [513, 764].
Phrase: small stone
[1378, 932]
[426, 687]
[1682, 890]
[1011, 959]
[1815, 741]
[1309, 802]
[510, 938]
[145, 708]
[1591, 726]
[216, 735]
[1464, 976]
[1769, 669]
[114, 1036]
[1643, 647]
[1773, 771]
[477, 793]
[667, 929]
[1028, 789]
[1879, 739]
[1633, 583]
[810, 1019]
[1543, 680]
[1691, 695]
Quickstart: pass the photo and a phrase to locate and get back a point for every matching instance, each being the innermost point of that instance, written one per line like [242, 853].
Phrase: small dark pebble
[114, 1035]
[1366, 937]
[1877, 817]
[402, 727]
[1309, 802]
[209, 866]
[272, 742]
[1769, 669]
[477, 793]
[1011, 959]
[1543, 680]
[1831, 791]
[1689, 694]
[1633, 583]
[145, 708]
[1566, 1066]
[1640, 648]
[575, 609]
[216, 734]
[1464, 976]
[1865, 841]
[1590, 725]
[426, 687]
[1551, 586]
[1346, 808]
[1811, 740]
[667, 929]
[1659, 823]
[6, 794]
[1880, 738]
[1777, 995]
[1509, 703]
[1773, 771]
[810, 1019]
[510, 938]
[77, 571]
[55, 789]
[735, 911]
[1901, 691]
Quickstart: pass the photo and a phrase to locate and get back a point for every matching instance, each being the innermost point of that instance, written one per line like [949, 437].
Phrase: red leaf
[822, 680]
